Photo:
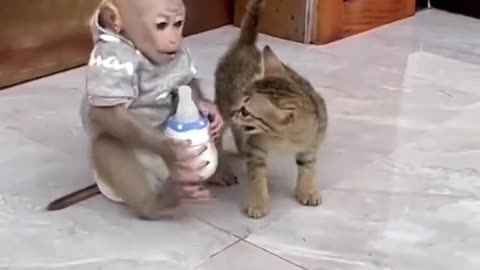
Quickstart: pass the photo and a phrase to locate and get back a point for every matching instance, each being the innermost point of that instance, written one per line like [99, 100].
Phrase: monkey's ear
[272, 64]
[109, 17]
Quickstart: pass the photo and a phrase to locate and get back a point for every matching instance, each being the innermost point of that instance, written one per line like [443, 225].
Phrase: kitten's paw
[224, 178]
[257, 208]
[309, 198]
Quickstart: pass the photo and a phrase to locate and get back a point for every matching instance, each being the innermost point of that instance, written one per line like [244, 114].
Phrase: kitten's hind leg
[306, 191]
[224, 175]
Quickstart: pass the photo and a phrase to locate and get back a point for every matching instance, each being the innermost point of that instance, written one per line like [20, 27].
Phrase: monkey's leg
[118, 166]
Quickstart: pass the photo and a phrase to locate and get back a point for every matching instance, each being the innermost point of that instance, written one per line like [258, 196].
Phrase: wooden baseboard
[48, 36]
[338, 19]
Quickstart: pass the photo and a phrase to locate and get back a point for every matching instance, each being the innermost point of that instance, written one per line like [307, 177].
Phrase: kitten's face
[270, 104]
[263, 111]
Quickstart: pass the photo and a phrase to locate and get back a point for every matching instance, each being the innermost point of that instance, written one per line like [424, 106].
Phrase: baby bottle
[189, 124]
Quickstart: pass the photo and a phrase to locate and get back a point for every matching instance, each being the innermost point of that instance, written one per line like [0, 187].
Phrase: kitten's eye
[244, 112]
[162, 25]
[178, 24]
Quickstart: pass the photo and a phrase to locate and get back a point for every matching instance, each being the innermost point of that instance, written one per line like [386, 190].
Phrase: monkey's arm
[197, 93]
[121, 124]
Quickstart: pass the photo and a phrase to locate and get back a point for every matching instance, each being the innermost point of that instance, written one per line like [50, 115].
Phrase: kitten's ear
[109, 16]
[272, 64]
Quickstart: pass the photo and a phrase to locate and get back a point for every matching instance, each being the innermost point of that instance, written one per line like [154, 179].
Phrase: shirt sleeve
[111, 74]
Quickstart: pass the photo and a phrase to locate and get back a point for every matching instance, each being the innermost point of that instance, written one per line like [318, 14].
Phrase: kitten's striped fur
[271, 107]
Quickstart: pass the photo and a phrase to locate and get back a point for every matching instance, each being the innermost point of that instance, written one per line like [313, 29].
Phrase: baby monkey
[135, 69]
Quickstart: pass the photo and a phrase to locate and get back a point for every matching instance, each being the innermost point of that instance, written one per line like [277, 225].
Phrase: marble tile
[398, 169]
[452, 73]
[33, 170]
[244, 256]
[377, 104]
[356, 230]
[48, 115]
[108, 265]
[93, 234]
[443, 162]
[225, 212]
[345, 152]
[434, 31]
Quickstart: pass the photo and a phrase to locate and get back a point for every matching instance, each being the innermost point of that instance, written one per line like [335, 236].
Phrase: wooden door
[338, 19]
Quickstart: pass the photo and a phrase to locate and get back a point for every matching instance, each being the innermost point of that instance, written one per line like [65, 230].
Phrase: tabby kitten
[271, 107]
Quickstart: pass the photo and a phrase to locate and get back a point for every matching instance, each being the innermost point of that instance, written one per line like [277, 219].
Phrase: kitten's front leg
[258, 199]
[307, 192]
[224, 175]
[239, 139]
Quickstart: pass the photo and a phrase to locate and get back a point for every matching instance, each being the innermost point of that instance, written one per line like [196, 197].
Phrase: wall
[47, 36]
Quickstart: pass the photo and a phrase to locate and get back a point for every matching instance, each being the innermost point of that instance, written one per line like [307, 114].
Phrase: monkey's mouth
[171, 54]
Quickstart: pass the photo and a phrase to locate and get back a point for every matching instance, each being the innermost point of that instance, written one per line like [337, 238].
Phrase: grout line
[221, 229]
[218, 253]
[402, 194]
[275, 255]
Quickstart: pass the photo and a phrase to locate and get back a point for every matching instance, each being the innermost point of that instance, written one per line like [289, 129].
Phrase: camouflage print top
[119, 74]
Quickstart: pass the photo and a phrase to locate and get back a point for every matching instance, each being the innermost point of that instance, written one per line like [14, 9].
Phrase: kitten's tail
[73, 198]
[250, 21]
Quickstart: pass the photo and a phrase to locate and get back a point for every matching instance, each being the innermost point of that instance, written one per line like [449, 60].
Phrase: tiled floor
[400, 170]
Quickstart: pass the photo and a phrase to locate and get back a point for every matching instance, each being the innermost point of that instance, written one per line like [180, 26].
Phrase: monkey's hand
[185, 166]
[210, 110]
[180, 192]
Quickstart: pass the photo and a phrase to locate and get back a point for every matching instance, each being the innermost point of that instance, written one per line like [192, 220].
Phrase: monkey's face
[155, 27]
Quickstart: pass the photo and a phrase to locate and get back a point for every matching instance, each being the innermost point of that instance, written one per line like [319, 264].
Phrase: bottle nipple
[187, 111]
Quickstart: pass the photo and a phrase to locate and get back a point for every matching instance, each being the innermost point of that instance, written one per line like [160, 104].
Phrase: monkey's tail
[73, 198]
[250, 21]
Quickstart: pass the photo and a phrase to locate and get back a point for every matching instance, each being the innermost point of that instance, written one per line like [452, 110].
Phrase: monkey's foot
[223, 177]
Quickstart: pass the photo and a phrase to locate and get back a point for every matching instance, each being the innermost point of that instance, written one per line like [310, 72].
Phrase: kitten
[272, 107]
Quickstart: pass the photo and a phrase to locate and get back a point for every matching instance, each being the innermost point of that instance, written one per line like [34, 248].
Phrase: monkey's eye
[178, 24]
[162, 25]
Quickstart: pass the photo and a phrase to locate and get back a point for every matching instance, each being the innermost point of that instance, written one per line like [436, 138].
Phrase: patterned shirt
[120, 74]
